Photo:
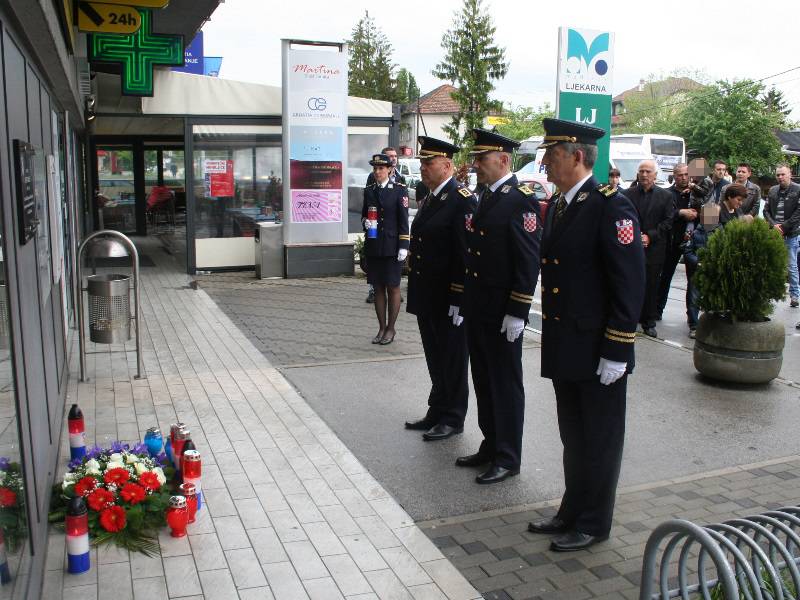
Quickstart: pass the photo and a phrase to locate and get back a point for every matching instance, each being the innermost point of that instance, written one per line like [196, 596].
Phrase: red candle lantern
[188, 445]
[178, 443]
[192, 472]
[177, 516]
[189, 492]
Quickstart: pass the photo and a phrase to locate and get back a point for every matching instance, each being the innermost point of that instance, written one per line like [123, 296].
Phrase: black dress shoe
[554, 525]
[421, 425]
[650, 332]
[473, 460]
[495, 474]
[575, 540]
[441, 432]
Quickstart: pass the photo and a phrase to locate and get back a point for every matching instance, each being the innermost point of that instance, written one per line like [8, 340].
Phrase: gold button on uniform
[474, 274]
[544, 261]
[555, 260]
[478, 253]
[482, 232]
[558, 318]
[544, 316]
[555, 290]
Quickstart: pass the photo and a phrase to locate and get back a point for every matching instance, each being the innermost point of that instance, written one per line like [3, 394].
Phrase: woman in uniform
[387, 250]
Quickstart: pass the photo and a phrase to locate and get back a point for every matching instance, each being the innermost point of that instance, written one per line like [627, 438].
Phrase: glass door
[115, 194]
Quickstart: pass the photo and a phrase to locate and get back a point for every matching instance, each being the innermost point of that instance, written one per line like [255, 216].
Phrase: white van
[625, 157]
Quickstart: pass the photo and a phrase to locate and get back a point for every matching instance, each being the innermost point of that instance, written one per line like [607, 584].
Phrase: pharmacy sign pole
[585, 69]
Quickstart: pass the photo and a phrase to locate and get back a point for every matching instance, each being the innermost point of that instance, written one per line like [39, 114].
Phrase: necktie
[425, 201]
[561, 208]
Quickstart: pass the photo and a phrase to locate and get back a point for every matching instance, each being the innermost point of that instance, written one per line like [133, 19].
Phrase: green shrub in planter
[742, 270]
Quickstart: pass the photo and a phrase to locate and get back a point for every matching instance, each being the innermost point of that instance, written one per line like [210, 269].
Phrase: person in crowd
[655, 209]
[685, 215]
[782, 212]
[712, 216]
[394, 177]
[718, 180]
[388, 250]
[752, 205]
[436, 286]
[613, 178]
[502, 267]
[593, 278]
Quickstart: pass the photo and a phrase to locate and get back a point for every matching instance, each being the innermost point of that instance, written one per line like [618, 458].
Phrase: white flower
[92, 464]
[160, 474]
[131, 459]
[115, 457]
[114, 465]
[140, 468]
[66, 483]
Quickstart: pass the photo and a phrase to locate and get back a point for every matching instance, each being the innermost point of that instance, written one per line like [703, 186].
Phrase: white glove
[610, 370]
[401, 254]
[512, 326]
[453, 312]
[369, 224]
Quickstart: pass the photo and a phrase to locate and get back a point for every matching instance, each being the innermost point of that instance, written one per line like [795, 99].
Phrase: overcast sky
[735, 39]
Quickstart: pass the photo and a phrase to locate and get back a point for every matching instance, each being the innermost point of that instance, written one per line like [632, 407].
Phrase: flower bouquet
[126, 493]
[13, 520]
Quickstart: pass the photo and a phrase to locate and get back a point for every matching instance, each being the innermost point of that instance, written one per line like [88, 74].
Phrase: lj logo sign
[586, 66]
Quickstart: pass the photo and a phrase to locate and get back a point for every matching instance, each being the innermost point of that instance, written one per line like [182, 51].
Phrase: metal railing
[755, 558]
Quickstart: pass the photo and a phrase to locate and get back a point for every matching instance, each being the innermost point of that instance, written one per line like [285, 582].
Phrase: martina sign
[585, 61]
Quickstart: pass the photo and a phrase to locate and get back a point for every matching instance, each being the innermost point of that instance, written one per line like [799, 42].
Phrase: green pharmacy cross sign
[137, 53]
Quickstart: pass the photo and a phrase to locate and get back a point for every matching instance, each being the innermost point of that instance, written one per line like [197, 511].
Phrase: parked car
[530, 176]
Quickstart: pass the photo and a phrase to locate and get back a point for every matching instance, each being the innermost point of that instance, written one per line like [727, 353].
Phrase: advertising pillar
[585, 68]
[315, 157]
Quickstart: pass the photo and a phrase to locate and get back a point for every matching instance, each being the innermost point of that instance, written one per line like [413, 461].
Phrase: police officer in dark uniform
[386, 252]
[436, 286]
[502, 267]
[592, 292]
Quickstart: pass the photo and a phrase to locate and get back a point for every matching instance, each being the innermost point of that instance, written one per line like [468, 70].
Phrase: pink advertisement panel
[316, 206]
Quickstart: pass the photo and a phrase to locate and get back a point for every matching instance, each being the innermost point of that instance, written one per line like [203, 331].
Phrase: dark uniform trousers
[591, 422]
[592, 288]
[436, 282]
[502, 268]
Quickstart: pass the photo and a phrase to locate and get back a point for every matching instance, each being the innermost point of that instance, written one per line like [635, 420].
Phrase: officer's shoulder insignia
[606, 190]
[505, 189]
[525, 190]
[581, 197]
[444, 197]
[464, 192]
[390, 186]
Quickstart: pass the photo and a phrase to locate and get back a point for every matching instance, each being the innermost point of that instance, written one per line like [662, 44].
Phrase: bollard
[77, 433]
[77, 529]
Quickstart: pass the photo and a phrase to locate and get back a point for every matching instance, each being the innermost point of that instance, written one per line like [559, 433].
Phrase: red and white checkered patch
[529, 222]
[468, 223]
[405, 201]
[625, 231]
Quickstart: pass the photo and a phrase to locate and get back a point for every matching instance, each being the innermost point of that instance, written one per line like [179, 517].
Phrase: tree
[370, 63]
[522, 122]
[657, 105]
[471, 61]
[728, 121]
[775, 102]
[407, 88]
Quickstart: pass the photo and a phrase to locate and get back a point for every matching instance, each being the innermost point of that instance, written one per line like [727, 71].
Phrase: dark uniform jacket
[438, 246]
[502, 263]
[592, 283]
[392, 205]
[791, 209]
[655, 210]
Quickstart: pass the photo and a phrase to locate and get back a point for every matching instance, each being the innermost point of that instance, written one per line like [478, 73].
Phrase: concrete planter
[741, 352]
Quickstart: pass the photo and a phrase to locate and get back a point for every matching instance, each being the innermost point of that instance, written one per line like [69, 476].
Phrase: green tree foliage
[728, 121]
[742, 270]
[523, 122]
[775, 102]
[471, 62]
[407, 88]
[370, 63]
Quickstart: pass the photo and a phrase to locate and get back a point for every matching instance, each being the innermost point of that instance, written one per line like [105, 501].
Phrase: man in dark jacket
[436, 286]
[782, 212]
[592, 290]
[655, 210]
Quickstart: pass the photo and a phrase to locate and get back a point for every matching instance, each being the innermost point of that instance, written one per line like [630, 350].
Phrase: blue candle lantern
[153, 441]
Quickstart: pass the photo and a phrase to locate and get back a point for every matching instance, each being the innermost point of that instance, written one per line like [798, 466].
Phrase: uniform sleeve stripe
[456, 286]
[614, 338]
[518, 296]
[620, 333]
[405, 237]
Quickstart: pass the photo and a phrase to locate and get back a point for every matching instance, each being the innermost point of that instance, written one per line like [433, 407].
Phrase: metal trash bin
[268, 238]
[109, 308]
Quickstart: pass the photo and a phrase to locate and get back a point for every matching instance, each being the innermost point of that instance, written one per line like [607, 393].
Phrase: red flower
[113, 519]
[100, 498]
[85, 485]
[7, 497]
[132, 493]
[117, 476]
[149, 481]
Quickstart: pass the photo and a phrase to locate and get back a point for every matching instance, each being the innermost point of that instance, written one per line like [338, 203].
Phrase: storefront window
[362, 143]
[115, 197]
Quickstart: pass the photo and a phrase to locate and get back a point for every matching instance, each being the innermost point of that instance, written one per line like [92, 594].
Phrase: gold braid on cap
[432, 153]
[495, 148]
[560, 138]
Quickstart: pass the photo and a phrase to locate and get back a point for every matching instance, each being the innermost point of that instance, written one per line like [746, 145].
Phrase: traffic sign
[140, 3]
[108, 18]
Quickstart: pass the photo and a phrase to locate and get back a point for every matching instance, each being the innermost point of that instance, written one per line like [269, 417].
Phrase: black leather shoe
[574, 541]
[495, 474]
[554, 525]
[421, 425]
[651, 332]
[473, 460]
[441, 432]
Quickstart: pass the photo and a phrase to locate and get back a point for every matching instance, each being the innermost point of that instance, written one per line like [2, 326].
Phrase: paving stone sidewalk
[290, 512]
[497, 554]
